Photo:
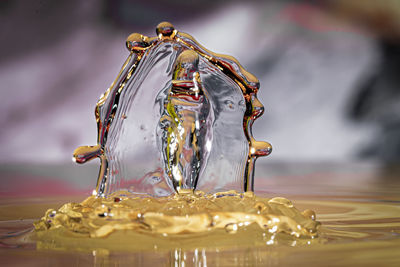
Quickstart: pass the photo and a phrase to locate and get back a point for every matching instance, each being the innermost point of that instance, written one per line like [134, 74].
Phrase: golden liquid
[354, 231]
[189, 219]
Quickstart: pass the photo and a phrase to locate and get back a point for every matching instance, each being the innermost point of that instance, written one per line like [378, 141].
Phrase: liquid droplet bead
[309, 214]
[281, 201]
[165, 29]
[231, 228]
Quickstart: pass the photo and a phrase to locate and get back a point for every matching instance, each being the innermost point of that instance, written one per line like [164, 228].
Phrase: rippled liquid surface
[251, 219]
[358, 210]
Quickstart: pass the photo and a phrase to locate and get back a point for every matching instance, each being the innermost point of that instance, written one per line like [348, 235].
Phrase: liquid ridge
[187, 213]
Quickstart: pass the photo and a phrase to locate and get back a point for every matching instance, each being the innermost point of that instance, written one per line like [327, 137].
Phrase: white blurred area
[308, 75]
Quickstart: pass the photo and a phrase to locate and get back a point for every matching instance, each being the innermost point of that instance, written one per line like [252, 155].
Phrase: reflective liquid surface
[358, 209]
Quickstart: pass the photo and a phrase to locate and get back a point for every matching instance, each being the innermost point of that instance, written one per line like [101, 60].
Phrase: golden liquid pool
[354, 231]
[139, 223]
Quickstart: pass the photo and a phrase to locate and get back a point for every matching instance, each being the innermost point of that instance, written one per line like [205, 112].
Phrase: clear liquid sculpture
[177, 117]
[177, 158]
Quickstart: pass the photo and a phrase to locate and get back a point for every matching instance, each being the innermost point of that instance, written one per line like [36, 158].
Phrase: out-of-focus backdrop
[329, 71]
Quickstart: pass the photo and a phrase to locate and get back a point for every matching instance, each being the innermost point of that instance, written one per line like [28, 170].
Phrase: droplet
[137, 42]
[309, 214]
[281, 201]
[231, 228]
[165, 28]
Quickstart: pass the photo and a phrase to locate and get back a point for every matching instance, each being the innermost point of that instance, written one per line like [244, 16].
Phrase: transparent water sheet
[181, 115]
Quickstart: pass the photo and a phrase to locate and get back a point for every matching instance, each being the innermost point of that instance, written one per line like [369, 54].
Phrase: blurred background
[329, 72]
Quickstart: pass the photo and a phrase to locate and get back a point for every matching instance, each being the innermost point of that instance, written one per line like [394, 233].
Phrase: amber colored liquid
[361, 232]
[223, 218]
[360, 226]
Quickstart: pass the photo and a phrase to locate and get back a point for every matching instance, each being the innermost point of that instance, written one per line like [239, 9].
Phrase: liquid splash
[177, 153]
[186, 214]
[176, 117]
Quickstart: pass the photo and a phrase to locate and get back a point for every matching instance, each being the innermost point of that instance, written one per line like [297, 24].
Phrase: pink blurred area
[19, 187]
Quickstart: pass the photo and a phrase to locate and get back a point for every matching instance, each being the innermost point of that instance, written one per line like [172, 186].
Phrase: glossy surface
[185, 215]
[357, 205]
[176, 117]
